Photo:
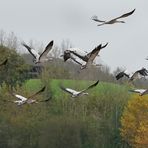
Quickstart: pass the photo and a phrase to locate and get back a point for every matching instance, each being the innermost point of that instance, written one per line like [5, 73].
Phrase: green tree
[15, 71]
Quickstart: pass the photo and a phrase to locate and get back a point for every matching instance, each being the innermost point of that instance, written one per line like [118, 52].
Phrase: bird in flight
[112, 21]
[75, 93]
[30, 100]
[136, 75]
[92, 56]
[79, 53]
[39, 58]
[122, 74]
[141, 92]
[67, 55]
[139, 74]
[72, 53]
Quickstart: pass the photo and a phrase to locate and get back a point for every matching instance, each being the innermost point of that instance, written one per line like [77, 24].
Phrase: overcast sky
[46, 20]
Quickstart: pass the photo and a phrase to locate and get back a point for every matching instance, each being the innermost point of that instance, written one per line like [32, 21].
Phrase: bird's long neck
[119, 21]
[85, 93]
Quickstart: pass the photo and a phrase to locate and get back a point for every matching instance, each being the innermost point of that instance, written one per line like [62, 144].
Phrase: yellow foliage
[134, 122]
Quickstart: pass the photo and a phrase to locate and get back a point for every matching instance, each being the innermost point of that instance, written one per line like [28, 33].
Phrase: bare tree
[2, 37]
[9, 40]
[55, 52]
[65, 45]
[12, 41]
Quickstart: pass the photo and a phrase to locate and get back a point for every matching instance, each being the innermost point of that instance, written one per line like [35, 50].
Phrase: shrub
[134, 122]
[15, 71]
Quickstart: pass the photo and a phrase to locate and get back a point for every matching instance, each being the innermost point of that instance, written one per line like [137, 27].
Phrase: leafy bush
[135, 122]
[15, 71]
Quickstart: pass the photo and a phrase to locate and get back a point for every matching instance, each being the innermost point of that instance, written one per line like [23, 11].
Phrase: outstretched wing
[4, 62]
[88, 55]
[37, 93]
[134, 76]
[125, 15]
[20, 97]
[91, 86]
[33, 52]
[76, 60]
[143, 72]
[68, 90]
[138, 90]
[104, 46]
[144, 93]
[93, 54]
[121, 74]
[79, 56]
[47, 49]
[95, 18]
[139, 74]
[79, 53]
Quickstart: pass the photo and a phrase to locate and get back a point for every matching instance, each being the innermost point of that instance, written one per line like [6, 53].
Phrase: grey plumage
[112, 21]
[23, 100]
[39, 58]
[75, 93]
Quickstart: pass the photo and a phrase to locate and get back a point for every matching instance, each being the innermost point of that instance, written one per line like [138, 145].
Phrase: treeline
[56, 69]
[88, 122]
[10, 46]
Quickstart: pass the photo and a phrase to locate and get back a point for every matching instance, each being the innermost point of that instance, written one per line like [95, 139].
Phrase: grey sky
[45, 20]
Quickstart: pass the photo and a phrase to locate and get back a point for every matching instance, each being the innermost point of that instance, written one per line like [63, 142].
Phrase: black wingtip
[94, 18]
[104, 45]
[43, 89]
[132, 11]
[23, 43]
[117, 77]
[51, 43]
[96, 83]
[99, 46]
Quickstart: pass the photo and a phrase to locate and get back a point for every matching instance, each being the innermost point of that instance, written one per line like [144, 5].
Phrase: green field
[101, 89]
